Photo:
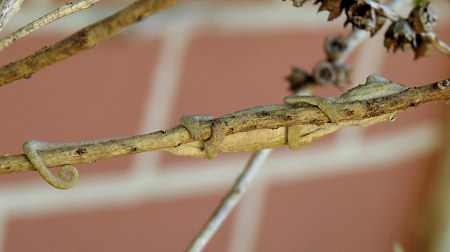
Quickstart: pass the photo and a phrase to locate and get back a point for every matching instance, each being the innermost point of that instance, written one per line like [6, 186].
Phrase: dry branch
[285, 116]
[82, 40]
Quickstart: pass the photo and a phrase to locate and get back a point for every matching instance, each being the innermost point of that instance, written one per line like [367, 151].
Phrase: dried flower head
[334, 46]
[299, 79]
[327, 72]
[423, 47]
[399, 35]
[363, 16]
[324, 73]
[335, 7]
[422, 18]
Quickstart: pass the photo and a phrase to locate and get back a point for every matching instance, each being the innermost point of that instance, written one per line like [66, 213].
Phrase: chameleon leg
[193, 125]
[212, 145]
[297, 135]
[301, 135]
[325, 104]
[30, 148]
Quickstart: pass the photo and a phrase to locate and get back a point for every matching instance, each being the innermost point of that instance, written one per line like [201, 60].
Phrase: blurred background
[355, 190]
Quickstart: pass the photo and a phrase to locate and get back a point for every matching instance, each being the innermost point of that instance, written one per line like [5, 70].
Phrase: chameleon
[300, 135]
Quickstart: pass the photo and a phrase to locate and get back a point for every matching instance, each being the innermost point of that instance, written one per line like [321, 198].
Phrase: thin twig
[355, 38]
[438, 44]
[67, 9]
[8, 8]
[230, 200]
[384, 10]
[82, 40]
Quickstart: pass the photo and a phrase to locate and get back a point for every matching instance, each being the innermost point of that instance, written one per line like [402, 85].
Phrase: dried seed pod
[324, 73]
[334, 46]
[399, 35]
[335, 7]
[379, 22]
[422, 18]
[342, 75]
[363, 16]
[298, 79]
[424, 47]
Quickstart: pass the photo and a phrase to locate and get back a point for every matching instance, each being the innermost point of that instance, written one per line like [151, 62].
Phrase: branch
[82, 40]
[67, 9]
[243, 129]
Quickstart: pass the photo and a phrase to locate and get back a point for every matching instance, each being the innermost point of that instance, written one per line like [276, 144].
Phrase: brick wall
[355, 190]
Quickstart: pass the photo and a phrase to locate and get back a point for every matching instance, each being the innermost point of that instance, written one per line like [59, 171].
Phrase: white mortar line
[378, 152]
[226, 16]
[163, 91]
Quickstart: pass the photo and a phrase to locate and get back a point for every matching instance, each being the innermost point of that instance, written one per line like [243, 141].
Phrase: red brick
[160, 225]
[353, 212]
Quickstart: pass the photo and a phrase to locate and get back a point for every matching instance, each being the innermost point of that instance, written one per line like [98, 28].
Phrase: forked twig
[65, 10]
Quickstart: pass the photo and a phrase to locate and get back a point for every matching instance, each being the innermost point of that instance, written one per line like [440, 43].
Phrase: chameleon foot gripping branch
[30, 149]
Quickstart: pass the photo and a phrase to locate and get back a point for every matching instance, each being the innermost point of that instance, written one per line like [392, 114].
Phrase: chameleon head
[373, 78]
[375, 87]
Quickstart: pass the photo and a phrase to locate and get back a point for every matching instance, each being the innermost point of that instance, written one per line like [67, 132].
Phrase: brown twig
[282, 117]
[82, 40]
